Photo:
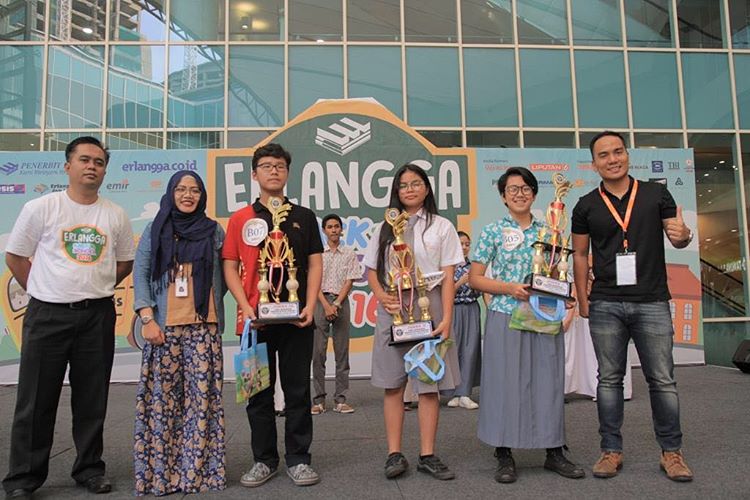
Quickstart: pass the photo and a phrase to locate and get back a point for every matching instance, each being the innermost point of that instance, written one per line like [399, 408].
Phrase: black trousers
[54, 337]
[294, 346]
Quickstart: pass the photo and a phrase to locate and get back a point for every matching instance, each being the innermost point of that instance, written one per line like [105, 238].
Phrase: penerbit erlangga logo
[343, 136]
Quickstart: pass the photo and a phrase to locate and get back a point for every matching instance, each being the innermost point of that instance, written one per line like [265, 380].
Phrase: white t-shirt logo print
[83, 244]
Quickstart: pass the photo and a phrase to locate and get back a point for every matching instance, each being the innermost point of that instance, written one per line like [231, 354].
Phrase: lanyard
[623, 224]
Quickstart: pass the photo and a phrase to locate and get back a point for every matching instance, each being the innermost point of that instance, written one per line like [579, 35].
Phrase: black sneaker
[506, 467]
[557, 462]
[395, 465]
[434, 467]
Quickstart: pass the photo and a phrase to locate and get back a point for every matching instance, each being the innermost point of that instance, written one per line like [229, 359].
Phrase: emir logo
[344, 136]
[118, 187]
[9, 168]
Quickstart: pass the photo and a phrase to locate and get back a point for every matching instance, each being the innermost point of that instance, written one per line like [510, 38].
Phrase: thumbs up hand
[677, 232]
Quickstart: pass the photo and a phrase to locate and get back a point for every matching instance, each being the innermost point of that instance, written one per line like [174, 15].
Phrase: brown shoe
[608, 464]
[673, 463]
[318, 409]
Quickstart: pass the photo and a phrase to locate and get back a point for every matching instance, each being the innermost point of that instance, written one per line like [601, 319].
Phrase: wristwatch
[146, 319]
[690, 236]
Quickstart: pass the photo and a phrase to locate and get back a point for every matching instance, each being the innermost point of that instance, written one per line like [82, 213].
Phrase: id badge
[181, 286]
[625, 266]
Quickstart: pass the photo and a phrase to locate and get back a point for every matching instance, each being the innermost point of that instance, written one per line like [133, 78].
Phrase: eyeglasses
[514, 190]
[267, 167]
[181, 190]
[413, 185]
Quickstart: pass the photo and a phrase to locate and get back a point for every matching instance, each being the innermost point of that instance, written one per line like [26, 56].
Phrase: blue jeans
[649, 324]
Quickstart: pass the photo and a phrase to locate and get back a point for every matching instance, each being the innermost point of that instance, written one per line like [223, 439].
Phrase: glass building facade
[483, 73]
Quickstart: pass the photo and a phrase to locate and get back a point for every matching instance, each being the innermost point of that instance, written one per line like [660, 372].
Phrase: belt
[81, 304]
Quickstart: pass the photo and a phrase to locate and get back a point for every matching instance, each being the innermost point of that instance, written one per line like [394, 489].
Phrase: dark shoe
[433, 466]
[395, 465]
[506, 467]
[19, 494]
[97, 485]
[558, 462]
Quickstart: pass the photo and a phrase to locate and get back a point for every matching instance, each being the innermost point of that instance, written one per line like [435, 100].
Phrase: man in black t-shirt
[623, 221]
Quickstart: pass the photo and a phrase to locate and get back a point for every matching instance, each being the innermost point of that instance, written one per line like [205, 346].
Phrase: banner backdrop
[344, 154]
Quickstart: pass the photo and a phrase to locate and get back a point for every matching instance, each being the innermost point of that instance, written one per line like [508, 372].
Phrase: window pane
[717, 190]
[432, 86]
[596, 23]
[376, 72]
[315, 20]
[19, 142]
[314, 73]
[21, 20]
[433, 21]
[742, 78]
[699, 23]
[546, 88]
[707, 92]
[653, 90]
[56, 141]
[656, 140]
[21, 88]
[491, 139]
[135, 140]
[196, 86]
[196, 20]
[256, 86]
[739, 20]
[600, 78]
[542, 22]
[549, 140]
[74, 87]
[370, 21]
[649, 23]
[443, 138]
[246, 139]
[136, 87]
[194, 140]
[260, 20]
[137, 20]
[83, 21]
[490, 85]
[486, 22]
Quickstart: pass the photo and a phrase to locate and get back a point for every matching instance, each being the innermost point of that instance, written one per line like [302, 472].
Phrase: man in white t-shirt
[68, 250]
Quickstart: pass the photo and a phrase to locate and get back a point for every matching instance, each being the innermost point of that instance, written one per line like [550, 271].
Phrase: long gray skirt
[388, 369]
[468, 337]
[523, 384]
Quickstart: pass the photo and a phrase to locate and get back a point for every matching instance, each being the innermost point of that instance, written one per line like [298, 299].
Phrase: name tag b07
[626, 269]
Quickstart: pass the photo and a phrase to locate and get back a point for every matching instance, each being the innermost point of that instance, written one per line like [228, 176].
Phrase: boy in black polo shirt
[624, 221]
[292, 341]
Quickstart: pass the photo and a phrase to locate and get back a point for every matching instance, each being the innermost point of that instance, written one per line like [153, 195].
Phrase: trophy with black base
[549, 274]
[275, 261]
[407, 285]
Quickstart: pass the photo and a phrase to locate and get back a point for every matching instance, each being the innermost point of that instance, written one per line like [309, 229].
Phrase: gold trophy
[405, 279]
[549, 272]
[276, 259]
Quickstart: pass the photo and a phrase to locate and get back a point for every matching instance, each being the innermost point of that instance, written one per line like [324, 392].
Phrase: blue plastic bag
[425, 361]
[251, 367]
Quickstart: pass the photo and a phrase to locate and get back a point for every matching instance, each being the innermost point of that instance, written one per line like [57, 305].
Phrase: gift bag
[251, 365]
[425, 361]
[538, 315]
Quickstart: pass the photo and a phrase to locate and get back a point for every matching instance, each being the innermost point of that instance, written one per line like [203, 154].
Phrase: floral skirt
[179, 418]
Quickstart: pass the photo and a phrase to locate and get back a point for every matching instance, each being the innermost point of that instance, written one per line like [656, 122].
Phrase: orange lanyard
[623, 224]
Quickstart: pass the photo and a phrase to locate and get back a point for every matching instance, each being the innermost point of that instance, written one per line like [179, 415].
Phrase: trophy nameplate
[411, 332]
[277, 312]
[551, 286]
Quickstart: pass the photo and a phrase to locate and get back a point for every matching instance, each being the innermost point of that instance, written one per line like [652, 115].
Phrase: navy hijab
[177, 237]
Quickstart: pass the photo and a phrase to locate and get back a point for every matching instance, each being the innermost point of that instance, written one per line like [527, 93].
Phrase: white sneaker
[453, 403]
[466, 402]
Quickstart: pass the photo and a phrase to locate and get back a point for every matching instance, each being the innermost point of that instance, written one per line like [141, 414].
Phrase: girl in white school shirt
[436, 247]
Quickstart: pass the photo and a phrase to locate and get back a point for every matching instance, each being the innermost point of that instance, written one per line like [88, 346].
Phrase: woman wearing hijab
[179, 424]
